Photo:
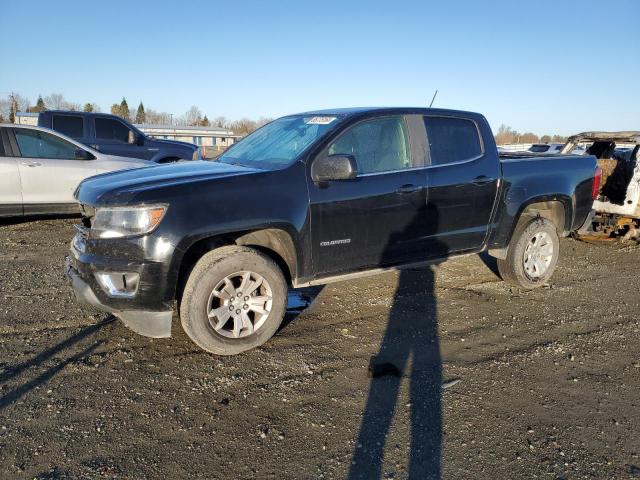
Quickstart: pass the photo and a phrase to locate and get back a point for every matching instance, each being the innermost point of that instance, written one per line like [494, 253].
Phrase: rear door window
[110, 129]
[37, 144]
[452, 140]
[70, 125]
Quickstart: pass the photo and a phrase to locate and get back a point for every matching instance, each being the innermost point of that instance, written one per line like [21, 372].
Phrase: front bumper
[147, 323]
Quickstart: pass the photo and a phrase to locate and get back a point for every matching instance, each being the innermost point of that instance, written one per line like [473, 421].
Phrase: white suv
[40, 169]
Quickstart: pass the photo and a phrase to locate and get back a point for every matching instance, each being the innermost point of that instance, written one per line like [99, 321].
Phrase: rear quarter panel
[527, 180]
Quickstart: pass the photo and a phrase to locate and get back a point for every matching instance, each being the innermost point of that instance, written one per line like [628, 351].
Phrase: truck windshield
[280, 142]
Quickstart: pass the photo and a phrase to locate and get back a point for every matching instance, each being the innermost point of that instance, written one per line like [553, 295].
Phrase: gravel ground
[540, 384]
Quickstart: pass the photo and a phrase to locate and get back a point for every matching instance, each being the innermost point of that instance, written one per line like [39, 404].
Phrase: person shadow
[410, 349]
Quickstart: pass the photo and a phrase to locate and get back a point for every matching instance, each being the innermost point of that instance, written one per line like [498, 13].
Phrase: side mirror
[334, 167]
[81, 154]
[135, 138]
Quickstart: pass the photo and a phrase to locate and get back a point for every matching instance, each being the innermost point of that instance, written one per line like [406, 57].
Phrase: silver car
[40, 169]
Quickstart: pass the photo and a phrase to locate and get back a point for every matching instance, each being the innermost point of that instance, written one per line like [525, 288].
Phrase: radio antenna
[433, 99]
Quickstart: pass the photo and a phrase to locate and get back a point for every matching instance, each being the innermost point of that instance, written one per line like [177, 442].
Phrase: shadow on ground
[34, 363]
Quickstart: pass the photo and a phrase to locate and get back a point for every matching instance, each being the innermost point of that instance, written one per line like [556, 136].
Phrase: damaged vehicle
[315, 198]
[617, 207]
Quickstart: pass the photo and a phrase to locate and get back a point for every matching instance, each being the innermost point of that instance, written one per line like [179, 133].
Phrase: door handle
[482, 180]
[408, 188]
[31, 164]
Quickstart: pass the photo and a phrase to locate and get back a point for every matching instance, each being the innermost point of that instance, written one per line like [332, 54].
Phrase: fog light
[118, 284]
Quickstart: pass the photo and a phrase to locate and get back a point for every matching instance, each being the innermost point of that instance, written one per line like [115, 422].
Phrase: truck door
[70, 125]
[115, 137]
[10, 187]
[462, 182]
[49, 171]
[376, 218]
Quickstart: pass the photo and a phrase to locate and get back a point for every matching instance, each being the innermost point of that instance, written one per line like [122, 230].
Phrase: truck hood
[116, 187]
[188, 145]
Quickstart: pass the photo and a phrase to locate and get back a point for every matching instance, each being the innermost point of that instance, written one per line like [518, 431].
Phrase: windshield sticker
[319, 120]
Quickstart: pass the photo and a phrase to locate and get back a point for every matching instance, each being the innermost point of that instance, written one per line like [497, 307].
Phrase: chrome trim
[461, 162]
[371, 174]
[424, 167]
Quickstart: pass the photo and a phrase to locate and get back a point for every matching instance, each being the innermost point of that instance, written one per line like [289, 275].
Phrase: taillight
[597, 179]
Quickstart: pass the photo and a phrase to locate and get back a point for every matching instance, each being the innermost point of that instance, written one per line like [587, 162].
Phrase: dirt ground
[548, 381]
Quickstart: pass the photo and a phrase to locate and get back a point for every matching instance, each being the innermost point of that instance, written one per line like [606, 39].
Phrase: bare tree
[20, 103]
[55, 101]
[157, 118]
[506, 135]
[529, 137]
[220, 122]
[193, 116]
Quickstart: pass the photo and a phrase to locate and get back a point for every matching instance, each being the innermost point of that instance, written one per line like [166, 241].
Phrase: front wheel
[532, 254]
[234, 300]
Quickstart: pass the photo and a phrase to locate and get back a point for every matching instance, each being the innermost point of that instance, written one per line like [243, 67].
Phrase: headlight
[114, 222]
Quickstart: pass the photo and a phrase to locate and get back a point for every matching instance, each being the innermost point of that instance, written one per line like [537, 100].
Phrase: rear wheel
[532, 254]
[233, 301]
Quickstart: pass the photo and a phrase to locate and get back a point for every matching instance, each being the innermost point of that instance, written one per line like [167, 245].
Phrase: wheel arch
[558, 210]
[276, 243]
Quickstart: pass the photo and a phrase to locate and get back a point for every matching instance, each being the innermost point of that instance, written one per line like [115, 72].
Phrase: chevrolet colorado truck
[310, 199]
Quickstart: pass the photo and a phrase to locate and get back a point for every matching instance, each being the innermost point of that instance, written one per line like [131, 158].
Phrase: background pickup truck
[112, 135]
[310, 199]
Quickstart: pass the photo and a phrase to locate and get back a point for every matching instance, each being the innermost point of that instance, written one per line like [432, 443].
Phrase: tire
[209, 298]
[532, 254]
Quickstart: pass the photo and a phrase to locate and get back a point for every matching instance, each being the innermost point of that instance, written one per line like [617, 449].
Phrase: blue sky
[544, 66]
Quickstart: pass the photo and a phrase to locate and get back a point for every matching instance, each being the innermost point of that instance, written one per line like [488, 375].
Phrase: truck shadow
[40, 359]
[410, 349]
[490, 262]
[299, 300]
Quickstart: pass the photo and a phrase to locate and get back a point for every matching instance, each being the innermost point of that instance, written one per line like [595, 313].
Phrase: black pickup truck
[113, 135]
[310, 199]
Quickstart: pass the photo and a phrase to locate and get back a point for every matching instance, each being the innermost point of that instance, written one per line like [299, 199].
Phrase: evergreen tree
[115, 110]
[141, 117]
[88, 107]
[205, 122]
[124, 109]
[40, 107]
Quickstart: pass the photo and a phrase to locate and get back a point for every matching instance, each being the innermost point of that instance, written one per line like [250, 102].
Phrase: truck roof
[361, 110]
[77, 112]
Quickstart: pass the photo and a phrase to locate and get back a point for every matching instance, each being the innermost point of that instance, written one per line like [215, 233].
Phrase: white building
[217, 137]
[26, 118]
